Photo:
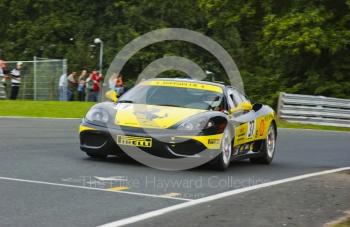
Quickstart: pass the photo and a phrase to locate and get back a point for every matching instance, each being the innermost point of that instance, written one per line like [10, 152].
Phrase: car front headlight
[196, 124]
[207, 125]
[97, 115]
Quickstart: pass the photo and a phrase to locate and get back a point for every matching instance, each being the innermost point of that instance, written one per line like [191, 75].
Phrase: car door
[245, 123]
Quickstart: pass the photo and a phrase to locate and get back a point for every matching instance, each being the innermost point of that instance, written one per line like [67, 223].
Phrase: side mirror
[111, 95]
[246, 106]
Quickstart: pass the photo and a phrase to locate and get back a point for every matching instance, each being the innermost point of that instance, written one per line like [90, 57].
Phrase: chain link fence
[39, 78]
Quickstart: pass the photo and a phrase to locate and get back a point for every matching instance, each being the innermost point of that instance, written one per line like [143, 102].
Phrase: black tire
[96, 155]
[267, 148]
[222, 161]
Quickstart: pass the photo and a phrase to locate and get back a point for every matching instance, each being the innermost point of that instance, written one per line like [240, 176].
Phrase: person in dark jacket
[81, 85]
[72, 86]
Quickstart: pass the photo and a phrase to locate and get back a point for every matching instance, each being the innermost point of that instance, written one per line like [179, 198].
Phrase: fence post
[34, 78]
[65, 71]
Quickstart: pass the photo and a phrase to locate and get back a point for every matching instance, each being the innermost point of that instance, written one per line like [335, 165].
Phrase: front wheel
[223, 160]
[267, 149]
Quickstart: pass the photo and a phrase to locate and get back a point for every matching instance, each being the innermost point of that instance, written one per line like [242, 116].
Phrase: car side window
[230, 99]
[233, 100]
[237, 97]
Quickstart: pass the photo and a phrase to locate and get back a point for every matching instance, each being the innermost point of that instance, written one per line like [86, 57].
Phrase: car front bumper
[162, 143]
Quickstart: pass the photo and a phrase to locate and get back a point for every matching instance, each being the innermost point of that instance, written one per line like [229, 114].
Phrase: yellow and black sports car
[179, 118]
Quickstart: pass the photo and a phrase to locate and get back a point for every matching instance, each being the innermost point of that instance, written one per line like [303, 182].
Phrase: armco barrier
[310, 109]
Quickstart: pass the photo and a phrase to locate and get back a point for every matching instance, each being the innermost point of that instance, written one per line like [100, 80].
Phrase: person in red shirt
[93, 86]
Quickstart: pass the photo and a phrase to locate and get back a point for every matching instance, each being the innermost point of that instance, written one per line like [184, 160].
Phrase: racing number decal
[251, 129]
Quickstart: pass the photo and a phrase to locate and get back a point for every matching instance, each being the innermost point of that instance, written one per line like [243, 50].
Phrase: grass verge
[44, 108]
[285, 124]
[343, 223]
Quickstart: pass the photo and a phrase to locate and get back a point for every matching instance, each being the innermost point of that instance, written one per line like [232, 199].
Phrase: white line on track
[162, 211]
[91, 188]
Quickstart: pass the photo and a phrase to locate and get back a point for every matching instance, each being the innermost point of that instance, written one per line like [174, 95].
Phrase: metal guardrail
[317, 110]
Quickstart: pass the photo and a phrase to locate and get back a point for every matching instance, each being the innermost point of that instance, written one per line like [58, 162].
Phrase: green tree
[297, 46]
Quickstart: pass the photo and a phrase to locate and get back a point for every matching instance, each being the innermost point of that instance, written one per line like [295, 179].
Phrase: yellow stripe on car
[210, 141]
[183, 84]
[84, 128]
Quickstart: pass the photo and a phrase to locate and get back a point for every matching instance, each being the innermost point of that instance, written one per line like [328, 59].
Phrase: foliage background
[299, 46]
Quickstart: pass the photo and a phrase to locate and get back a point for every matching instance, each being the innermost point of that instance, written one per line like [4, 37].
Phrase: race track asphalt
[37, 152]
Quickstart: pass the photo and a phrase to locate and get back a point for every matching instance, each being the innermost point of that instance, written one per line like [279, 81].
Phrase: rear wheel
[267, 149]
[96, 155]
[223, 160]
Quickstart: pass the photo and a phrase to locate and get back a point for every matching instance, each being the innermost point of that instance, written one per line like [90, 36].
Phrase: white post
[101, 57]
[64, 71]
[64, 66]
[99, 41]
[34, 79]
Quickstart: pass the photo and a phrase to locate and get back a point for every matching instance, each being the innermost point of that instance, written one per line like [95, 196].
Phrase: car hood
[151, 116]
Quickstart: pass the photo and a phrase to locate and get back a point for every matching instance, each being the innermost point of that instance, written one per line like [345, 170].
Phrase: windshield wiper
[125, 101]
[169, 105]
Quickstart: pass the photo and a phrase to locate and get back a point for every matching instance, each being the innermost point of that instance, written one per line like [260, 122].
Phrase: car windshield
[173, 96]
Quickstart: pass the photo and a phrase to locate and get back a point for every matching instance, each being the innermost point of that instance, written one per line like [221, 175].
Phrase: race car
[180, 118]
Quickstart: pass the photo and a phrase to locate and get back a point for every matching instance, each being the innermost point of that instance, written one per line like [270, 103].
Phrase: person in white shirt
[62, 87]
[15, 75]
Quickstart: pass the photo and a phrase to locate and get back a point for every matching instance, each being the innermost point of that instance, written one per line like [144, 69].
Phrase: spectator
[15, 75]
[72, 86]
[2, 67]
[81, 85]
[62, 87]
[93, 86]
[113, 81]
[3, 72]
[119, 87]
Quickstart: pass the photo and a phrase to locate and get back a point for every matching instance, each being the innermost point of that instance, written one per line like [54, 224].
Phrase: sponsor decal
[184, 84]
[262, 128]
[134, 141]
[213, 141]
